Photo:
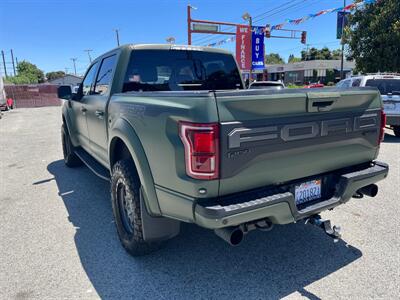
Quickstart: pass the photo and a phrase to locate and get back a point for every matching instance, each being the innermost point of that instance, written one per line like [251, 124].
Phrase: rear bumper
[393, 120]
[280, 207]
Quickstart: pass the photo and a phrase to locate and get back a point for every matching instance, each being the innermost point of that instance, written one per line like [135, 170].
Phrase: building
[68, 79]
[323, 71]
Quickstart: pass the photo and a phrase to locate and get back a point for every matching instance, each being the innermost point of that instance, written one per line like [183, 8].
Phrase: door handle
[99, 114]
[83, 109]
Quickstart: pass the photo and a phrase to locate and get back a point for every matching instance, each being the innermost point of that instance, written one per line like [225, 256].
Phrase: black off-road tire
[71, 160]
[396, 130]
[130, 229]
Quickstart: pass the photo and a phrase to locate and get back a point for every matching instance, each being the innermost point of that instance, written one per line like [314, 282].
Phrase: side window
[88, 82]
[105, 75]
[356, 82]
[346, 83]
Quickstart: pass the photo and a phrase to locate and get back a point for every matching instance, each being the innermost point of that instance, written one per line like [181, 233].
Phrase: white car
[275, 85]
[389, 86]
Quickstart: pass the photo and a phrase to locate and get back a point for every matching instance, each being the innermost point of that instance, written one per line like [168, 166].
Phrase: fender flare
[67, 123]
[123, 130]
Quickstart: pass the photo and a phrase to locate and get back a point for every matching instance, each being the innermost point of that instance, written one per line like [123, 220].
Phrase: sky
[49, 33]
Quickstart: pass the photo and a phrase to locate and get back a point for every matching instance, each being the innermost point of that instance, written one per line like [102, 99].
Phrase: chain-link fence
[33, 95]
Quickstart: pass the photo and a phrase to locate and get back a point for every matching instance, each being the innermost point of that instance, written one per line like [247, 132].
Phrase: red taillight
[383, 124]
[201, 143]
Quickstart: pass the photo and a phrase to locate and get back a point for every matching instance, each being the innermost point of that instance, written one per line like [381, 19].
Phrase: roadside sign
[205, 27]
[257, 48]
[342, 22]
[243, 46]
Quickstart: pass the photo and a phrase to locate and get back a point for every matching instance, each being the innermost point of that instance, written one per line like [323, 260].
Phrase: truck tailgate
[271, 137]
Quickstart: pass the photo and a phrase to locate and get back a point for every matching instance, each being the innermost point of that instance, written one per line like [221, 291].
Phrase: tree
[336, 54]
[27, 73]
[374, 37]
[55, 75]
[324, 53]
[273, 58]
[293, 59]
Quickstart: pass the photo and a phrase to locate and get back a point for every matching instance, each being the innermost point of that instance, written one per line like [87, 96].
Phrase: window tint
[356, 82]
[346, 83]
[176, 70]
[105, 75]
[88, 82]
[385, 86]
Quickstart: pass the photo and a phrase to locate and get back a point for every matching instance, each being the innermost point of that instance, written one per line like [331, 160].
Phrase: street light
[247, 17]
[170, 40]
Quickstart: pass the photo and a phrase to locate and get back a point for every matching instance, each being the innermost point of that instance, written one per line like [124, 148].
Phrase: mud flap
[157, 228]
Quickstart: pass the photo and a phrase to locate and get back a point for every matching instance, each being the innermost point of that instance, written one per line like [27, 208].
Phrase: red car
[314, 85]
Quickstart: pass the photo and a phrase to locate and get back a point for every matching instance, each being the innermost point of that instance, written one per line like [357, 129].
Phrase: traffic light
[267, 31]
[304, 37]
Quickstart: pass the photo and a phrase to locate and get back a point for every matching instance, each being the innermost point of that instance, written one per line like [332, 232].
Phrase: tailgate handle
[319, 102]
[322, 103]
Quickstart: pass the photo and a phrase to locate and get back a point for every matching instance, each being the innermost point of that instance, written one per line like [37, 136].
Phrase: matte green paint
[148, 125]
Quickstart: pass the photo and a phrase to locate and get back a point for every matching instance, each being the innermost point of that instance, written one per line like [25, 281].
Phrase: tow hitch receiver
[326, 226]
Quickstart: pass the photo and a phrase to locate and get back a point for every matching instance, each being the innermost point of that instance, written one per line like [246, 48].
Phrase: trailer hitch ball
[333, 232]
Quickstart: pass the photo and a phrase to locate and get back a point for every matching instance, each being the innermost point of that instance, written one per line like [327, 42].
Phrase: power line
[270, 12]
[273, 12]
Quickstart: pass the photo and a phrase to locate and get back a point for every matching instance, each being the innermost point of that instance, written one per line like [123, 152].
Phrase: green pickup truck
[181, 140]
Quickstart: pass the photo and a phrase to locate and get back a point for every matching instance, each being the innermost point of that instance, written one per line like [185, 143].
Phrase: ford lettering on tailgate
[301, 131]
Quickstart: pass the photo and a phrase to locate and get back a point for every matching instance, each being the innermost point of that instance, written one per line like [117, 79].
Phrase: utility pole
[74, 60]
[12, 59]
[88, 52]
[4, 63]
[246, 16]
[117, 35]
[342, 42]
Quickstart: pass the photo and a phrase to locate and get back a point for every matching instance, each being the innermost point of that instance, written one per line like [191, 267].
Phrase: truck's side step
[92, 164]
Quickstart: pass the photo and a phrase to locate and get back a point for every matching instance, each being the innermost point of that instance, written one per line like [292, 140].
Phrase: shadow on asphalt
[391, 138]
[196, 264]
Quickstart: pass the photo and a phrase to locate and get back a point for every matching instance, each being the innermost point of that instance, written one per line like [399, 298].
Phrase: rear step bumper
[280, 208]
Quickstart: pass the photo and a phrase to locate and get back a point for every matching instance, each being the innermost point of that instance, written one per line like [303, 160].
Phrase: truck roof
[171, 47]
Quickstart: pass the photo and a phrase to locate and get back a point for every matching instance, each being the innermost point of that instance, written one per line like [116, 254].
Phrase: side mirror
[64, 92]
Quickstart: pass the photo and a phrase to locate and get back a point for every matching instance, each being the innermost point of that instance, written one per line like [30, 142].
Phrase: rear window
[385, 86]
[178, 70]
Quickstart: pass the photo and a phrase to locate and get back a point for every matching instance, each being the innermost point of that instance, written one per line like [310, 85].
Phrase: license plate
[308, 191]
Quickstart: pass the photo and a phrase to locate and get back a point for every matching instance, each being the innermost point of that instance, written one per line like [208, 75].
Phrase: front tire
[125, 197]
[396, 130]
[71, 160]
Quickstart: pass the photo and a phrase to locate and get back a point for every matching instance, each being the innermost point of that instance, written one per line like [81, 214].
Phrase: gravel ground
[58, 240]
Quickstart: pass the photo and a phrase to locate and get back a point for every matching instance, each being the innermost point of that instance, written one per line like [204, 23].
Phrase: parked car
[389, 86]
[196, 146]
[314, 85]
[3, 98]
[275, 85]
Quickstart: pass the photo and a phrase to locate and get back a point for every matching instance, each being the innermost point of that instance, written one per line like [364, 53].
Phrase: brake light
[201, 143]
[383, 124]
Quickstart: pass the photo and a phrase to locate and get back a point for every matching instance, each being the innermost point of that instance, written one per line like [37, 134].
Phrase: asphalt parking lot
[58, 240]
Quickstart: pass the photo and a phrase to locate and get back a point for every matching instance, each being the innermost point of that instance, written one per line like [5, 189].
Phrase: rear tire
[396, 130]
[71, 160]
[125, 197]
